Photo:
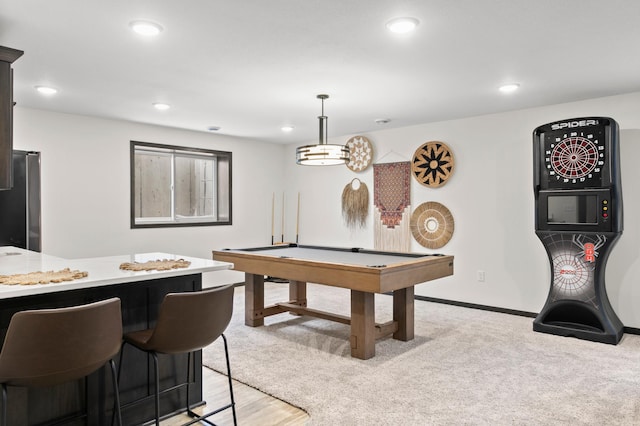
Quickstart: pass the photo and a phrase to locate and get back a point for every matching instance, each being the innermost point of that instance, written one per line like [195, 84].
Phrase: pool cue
[298, 218]
[269, 277]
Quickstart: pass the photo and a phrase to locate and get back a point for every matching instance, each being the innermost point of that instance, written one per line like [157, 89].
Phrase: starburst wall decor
[360, 153]
[432, 164]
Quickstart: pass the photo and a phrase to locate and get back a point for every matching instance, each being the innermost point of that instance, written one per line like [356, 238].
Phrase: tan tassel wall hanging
[355, 204]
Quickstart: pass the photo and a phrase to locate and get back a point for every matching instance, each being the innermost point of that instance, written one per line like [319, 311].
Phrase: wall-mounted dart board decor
[432, 164]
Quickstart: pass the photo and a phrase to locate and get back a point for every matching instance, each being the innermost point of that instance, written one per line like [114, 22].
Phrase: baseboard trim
[632, 330]
[629, 330]
[477, 306]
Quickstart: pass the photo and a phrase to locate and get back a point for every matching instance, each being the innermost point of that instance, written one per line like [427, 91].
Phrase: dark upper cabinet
[7, 57]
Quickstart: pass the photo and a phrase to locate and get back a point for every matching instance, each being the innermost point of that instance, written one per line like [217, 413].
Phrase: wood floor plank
[253, 408]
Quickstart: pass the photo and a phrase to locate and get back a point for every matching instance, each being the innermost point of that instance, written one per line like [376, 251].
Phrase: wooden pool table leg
[253, 300]
[363, 338]
[403, 313]
[298, 292]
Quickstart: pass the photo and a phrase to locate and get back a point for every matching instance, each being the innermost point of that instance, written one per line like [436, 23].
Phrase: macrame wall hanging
[392, 198]
[432, 225]
[355, 204]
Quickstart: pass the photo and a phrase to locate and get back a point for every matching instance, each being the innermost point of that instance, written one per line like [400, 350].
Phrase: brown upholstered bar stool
[47, 347]
[187, 322]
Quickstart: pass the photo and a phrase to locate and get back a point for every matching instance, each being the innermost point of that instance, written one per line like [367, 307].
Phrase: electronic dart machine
[578, 218]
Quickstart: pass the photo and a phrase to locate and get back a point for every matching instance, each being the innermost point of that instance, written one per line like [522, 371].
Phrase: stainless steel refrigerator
[20, 206]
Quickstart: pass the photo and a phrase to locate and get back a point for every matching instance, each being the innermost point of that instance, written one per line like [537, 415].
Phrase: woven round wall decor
[432, 164]
[431, 225]
[360, 153]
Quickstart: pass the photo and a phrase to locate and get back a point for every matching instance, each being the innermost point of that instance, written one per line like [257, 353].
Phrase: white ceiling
[252, 66]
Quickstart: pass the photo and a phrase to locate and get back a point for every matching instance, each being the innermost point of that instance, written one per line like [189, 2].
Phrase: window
[178, 186]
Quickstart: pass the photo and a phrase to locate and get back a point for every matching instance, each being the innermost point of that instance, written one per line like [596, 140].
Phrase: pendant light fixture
[322, 154]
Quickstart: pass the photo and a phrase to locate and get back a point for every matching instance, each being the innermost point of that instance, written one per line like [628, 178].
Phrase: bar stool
[47, 347]
[187, 322]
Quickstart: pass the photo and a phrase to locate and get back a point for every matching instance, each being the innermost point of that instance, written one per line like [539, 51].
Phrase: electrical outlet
[480, 276]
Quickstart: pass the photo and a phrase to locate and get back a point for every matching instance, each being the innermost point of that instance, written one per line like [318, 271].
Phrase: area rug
[464, 367]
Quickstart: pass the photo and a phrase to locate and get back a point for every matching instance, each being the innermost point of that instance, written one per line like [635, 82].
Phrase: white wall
[85, 179]
[86, 194]
[490, 195]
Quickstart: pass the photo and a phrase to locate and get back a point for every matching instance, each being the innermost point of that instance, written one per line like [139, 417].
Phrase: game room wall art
[432, 164]
[360, 153]
[432, 225]
[392, 198]
[578, 218]
[355, 204]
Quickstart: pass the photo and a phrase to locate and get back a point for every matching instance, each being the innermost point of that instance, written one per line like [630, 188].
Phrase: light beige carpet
[465, 366]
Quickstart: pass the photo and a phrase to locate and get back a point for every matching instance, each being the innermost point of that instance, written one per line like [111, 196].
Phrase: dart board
[575, 154]
[432, 164]
[574, 158]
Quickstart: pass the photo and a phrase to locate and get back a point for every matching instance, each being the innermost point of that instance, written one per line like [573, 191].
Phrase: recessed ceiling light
[213, 128]
[161, 106]
[382, 120]
[402, 25]
[145, 28]
[46, 90]
[287, 128]
[509, 88]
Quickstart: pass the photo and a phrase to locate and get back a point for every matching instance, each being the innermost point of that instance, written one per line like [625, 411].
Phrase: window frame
[184, 151]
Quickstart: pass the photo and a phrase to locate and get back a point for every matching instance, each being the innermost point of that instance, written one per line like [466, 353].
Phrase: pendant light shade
[322, 154]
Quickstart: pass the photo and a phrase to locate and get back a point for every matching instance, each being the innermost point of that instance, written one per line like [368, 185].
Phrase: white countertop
[101, 270]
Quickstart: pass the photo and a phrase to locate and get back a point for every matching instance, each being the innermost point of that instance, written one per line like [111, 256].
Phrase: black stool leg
[4, 404]
[233, 403]
[116, 392]
[157, 373]
[118, 408]
[191, 413]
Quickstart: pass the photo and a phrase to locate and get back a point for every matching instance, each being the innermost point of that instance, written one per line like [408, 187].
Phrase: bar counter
[102, 270]
[141, 293]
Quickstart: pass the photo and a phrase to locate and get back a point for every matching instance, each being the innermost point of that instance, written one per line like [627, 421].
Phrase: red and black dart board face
[574, 158]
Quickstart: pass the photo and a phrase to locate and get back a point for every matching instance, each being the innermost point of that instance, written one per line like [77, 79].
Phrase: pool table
[364, 272]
